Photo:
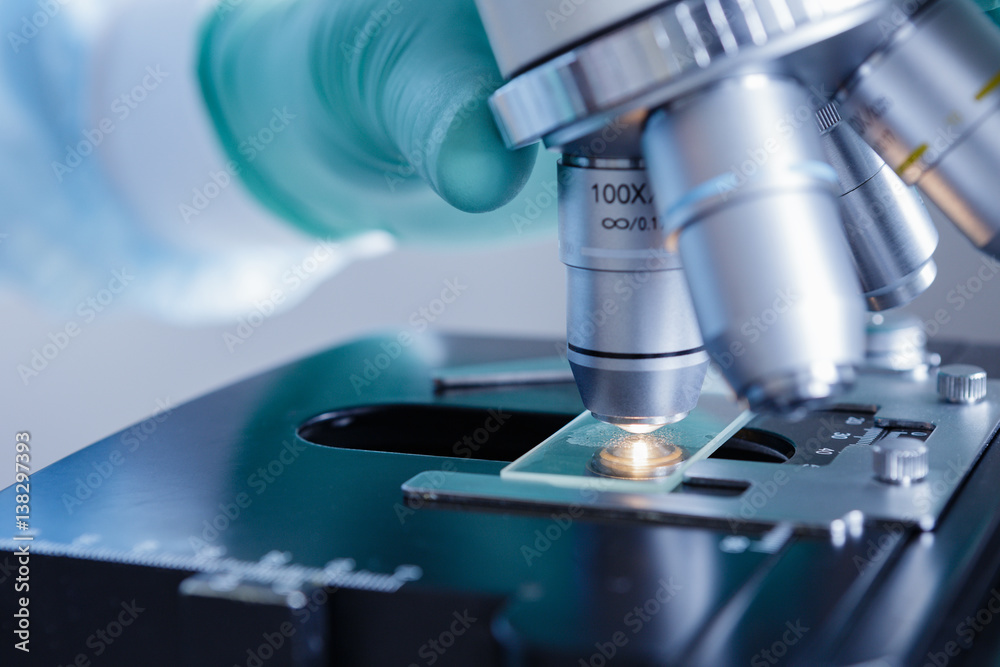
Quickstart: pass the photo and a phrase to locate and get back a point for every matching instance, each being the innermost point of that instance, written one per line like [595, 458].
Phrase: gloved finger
[417, 77]
[384, 93]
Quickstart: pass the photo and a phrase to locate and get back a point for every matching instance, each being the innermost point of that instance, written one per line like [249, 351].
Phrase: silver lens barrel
[928, 101]
[633, 341]
[890, 233]
[739, 175]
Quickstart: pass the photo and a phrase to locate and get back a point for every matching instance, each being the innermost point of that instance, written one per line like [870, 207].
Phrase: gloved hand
[992, 9]
[338, 113]
[371, 98]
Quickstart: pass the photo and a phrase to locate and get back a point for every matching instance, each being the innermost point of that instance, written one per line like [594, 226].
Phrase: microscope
[731, 464]
[724, 137]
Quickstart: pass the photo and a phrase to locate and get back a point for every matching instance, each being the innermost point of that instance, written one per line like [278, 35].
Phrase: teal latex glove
[338, 113]
[992, 9]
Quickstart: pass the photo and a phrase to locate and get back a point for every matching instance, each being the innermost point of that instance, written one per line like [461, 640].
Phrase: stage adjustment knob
[900, 460]
[961, 383]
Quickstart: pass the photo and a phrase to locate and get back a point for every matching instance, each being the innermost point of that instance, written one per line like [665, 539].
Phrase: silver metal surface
[755, 210]
[668, 53]
[890, 233]
[520, 372]
[929, 102]
[523, 32]
[900, 461]
[808, 498]
[961, 383]
[633, 341]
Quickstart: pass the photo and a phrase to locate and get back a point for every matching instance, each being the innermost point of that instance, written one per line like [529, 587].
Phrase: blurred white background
[121, 365]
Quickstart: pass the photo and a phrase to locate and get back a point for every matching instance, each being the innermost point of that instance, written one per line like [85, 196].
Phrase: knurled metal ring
[663, 55]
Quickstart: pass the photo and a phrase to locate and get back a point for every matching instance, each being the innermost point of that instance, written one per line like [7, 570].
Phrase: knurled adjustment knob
[900, 460]
[828, 117]
[961, 383]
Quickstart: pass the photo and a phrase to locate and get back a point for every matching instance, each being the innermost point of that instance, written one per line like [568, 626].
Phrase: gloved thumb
[384, 95]
[417, 77]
